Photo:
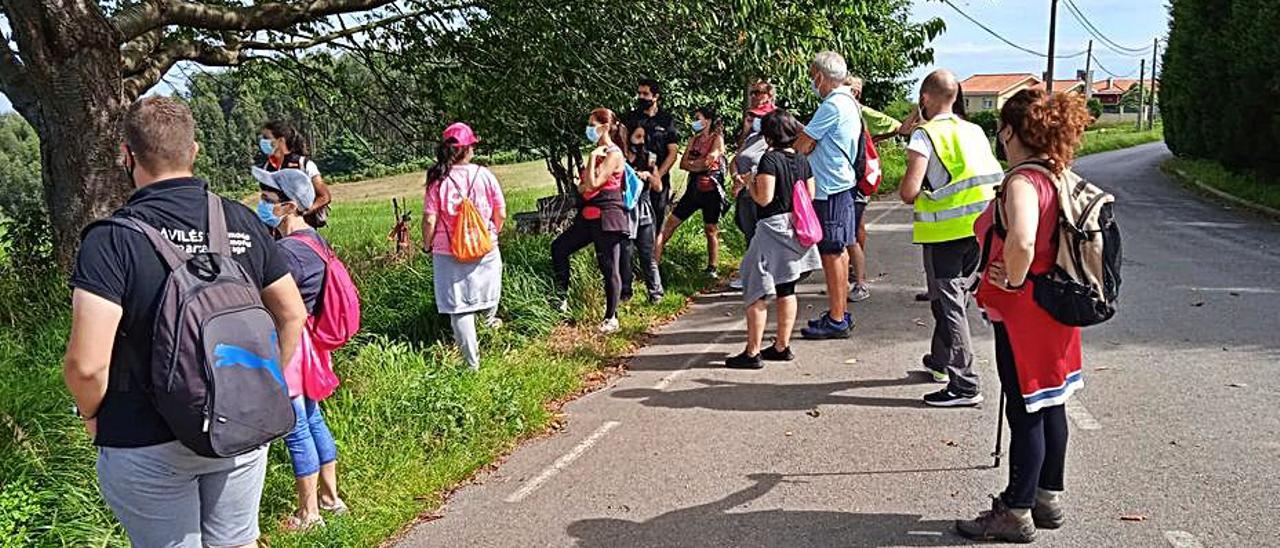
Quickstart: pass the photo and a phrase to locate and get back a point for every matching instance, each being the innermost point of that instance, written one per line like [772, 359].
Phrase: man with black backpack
[182, 314]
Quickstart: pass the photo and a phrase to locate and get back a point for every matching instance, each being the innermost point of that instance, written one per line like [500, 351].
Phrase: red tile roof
[994, 83]
[1062, 85]
[1116, 86]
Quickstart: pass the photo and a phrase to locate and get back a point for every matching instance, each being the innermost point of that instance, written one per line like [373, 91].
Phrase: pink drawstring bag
[315, 367]
[803, 216]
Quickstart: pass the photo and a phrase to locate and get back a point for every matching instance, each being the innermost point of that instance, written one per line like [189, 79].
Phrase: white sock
[1045, 496]
[1023, 514]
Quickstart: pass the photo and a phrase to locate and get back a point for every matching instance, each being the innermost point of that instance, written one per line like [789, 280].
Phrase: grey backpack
[216, 375]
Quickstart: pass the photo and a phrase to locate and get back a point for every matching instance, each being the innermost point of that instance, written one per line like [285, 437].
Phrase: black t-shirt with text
[120, 265]
[786, 168]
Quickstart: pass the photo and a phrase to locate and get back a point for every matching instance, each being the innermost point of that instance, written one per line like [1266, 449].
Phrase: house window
[988, 104]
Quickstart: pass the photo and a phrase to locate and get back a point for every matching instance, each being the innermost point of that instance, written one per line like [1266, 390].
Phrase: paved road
[1178, 421]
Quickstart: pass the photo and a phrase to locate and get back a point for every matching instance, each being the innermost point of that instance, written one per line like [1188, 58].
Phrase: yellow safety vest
[947, 212]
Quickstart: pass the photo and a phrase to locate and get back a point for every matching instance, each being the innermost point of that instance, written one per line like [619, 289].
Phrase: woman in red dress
[1037, 357]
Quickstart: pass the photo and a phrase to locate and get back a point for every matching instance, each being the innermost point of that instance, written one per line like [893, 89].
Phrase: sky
[966, 49]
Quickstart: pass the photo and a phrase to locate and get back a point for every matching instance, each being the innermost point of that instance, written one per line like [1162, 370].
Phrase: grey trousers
[464, 332]
[950, 268]
[641, 248]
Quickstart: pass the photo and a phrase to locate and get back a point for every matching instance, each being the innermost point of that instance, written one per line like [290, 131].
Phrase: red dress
[1046, 352]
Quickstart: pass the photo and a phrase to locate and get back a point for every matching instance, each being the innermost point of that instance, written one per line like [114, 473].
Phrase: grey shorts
[167, 496]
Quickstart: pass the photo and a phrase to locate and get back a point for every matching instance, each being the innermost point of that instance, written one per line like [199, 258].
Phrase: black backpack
[216, 375]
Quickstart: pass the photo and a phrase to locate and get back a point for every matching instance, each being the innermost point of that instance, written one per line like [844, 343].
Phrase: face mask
[128, 165]
[267, 214]
[1001, 153]
[593, 134]
[813, 85]
[755, 125]
[644, 104]
[698, 125]
[266, 146]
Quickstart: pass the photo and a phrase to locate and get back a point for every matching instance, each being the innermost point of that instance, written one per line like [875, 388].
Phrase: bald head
[941, 84]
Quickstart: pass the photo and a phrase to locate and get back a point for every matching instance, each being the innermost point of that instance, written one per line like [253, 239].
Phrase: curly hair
[1050, 125]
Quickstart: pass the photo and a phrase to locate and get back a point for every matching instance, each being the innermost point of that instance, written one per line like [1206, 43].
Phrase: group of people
[780, 169]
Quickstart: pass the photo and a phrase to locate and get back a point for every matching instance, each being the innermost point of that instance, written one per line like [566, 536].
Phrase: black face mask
[1001, 153]
[128, 165]
[644, 104]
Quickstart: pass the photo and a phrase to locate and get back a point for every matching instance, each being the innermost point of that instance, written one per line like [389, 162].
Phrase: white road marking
[666, 381]
[1208, 224]
[890, 227]
[925, 533]
[1182, 539]
[562, 462]
[1248, 290]
[885, 213]
[1081, 416]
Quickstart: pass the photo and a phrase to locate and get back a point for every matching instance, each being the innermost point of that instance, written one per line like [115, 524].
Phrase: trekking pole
[997, 453]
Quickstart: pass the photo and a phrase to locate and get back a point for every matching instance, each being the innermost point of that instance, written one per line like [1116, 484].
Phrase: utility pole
[1142, 77]
[1088, 73]
[1053, 31]
[1151, 118]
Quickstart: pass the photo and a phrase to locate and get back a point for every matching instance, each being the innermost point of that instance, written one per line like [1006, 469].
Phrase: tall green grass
[410, 420]
[1252, 187]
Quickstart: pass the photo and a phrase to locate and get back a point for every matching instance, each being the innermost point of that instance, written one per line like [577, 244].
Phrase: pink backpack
[338, 318]
[803, 216]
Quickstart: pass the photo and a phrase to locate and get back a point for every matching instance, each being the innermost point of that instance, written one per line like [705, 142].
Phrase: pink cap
[461, 133]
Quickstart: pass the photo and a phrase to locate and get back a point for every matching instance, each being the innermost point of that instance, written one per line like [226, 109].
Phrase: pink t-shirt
[445, 197]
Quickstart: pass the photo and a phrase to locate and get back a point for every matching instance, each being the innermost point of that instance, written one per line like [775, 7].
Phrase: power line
[1006, 40]
[1092, 29]
[1112, 74]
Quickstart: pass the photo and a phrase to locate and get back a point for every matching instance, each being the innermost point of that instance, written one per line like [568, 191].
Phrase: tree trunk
[73, 63]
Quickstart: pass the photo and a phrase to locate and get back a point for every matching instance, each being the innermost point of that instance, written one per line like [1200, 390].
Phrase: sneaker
[814, 323]
[655, 298]
[609, 326]
[858, 293]
[494, 323]
[945, 398]
[998, 524]
[712, 273]
[561, 305]
[938, 376]
[828, 329]
[922, 296]
[1048, 515]
[772, 354]
[736, 285]
[743, 361]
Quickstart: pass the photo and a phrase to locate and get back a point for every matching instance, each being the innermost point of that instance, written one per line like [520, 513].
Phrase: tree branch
[144, 17]
[14, 79]
[155, 67]
[134, 52]
[325, 39]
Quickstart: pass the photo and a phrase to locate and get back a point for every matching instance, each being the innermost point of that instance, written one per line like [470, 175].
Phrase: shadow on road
[725, 523]
[744, 396]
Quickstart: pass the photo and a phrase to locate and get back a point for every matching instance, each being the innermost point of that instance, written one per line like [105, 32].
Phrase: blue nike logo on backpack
[230, 355]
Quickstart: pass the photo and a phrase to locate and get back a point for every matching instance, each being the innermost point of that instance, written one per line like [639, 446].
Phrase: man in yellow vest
[951, 176]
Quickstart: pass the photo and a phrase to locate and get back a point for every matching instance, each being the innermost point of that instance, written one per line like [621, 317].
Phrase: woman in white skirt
[463, 289]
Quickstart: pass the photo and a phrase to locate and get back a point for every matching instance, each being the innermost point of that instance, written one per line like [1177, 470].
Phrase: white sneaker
[736, 284]
[609, 326]
[563, 306]
[858, 293]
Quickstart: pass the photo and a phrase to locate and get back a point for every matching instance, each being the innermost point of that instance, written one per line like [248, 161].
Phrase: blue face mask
[266, 146]
[593, 134]
[755, 125]
[698, 125]
[267, 214]
[814, 86]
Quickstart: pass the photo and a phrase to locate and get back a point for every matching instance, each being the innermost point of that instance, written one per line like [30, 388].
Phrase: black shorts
[708, 202]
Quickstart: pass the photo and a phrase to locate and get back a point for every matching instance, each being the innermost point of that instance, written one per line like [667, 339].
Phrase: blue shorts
[839, 218]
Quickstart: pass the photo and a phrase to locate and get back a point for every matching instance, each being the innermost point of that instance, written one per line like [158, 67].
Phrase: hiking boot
[946, 398]
[938, 376]
[1000, 523]
[743, 361]
[829, 329]
[1047, 513]
[772, 354]
[859, 293]
[736, 284]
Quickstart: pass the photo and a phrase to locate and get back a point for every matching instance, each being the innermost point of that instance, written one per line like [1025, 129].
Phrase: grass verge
[1253, 190]
[410, 421]
[1108, 139]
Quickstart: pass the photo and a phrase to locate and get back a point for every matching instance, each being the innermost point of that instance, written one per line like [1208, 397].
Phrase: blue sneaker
[814, 323]
[828, 329]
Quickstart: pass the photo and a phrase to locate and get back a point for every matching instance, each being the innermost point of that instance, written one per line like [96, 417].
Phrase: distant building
[990, 91]
[1067, 86]
[1110, 91]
